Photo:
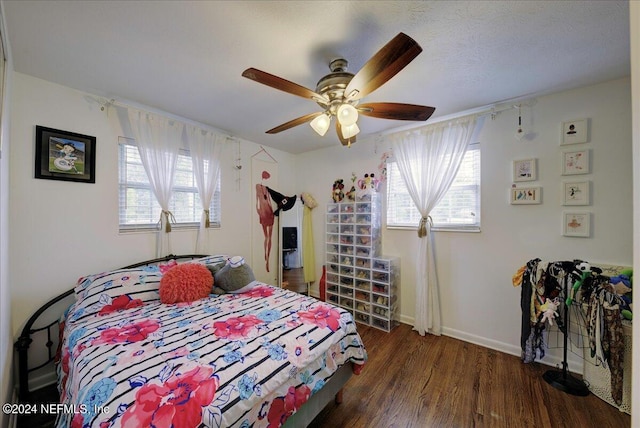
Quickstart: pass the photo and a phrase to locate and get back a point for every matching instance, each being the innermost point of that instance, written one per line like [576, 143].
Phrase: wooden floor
[414, 381]
[294, 279]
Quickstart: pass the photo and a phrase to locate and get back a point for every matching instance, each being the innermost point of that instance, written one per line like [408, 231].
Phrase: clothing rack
[562, 379]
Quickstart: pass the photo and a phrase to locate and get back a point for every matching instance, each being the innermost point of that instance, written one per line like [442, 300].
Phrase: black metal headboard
[24, 340]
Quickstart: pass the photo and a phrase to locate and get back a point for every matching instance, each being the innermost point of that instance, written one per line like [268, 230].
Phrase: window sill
[154, 229]
[469, 229]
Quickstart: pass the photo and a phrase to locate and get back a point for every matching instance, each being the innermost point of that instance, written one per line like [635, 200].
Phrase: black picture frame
[64, 155]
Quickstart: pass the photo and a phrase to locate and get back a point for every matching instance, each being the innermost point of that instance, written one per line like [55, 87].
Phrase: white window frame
[123, 185]
[473, 150]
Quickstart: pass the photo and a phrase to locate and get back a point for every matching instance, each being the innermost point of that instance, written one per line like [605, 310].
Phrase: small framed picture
[576, 224]
[575, 162]
[524, 170]
[64, 155]
[574, 131]
[525, 195]
[576, 192]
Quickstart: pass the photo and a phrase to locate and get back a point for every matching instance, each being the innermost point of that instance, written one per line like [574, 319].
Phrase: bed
[266, 357]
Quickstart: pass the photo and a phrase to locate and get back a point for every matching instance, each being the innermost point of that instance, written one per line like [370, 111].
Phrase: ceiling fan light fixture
[321, 124]
[350, 131]
[347, 114]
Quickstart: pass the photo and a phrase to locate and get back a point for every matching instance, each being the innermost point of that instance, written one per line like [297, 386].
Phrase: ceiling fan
[339, 92]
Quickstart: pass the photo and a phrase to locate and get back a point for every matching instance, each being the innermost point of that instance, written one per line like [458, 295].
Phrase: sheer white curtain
[205, 148]
[428, 160]
[158, 140]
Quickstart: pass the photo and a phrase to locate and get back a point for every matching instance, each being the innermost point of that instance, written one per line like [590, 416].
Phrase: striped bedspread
[245, 360]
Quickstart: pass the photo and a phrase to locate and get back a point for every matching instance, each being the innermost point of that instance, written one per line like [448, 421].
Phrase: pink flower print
[323, 316]
[283, 407]
[187, 304]
[79, 349]
[65, 375]
[296, 397]
[131, 279]
[236, 327]
[166, 266]
[180, 352]
[136, 354]
[130, 333]
[297, 351]
[259, 292]
[293, 323]
[177, 403]
[120, 303]
[77, 421]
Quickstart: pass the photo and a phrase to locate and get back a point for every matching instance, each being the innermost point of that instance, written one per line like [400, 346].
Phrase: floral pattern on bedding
[244, 360]
[125, 288]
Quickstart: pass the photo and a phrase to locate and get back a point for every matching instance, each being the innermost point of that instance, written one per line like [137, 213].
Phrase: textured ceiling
[186, 58]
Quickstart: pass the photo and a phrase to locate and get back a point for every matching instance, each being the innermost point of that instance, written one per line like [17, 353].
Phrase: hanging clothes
[606, 336]
[526, 334]
[308, 252]
[540, 281]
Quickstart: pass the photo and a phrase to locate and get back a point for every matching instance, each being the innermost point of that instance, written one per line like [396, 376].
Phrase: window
[139, 209]
[459, 209]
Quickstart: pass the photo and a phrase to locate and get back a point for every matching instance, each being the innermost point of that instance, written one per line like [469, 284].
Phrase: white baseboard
[406, 320]
[553, 357]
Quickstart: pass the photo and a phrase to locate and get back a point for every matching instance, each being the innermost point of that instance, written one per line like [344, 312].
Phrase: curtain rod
[106, 103]
[490, 109]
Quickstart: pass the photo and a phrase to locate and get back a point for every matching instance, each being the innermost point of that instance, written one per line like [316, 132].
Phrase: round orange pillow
[185, 283]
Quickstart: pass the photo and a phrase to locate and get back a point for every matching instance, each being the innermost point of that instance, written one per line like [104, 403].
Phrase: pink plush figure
[549, 310]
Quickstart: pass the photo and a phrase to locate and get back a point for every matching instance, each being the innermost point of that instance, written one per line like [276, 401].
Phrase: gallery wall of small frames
[575, 163]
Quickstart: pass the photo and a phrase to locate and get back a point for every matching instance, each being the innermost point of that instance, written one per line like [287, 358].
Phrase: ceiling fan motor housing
[338, 64]
[333, 84]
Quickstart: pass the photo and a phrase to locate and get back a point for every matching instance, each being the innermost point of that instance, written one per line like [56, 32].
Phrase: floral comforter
[242, 360]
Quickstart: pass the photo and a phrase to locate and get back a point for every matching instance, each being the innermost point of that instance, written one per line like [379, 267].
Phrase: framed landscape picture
[64, 155]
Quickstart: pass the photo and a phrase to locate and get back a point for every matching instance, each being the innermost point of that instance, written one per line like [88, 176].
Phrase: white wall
[634, 14]
[6, 339]
[479, 304]
[63, 230]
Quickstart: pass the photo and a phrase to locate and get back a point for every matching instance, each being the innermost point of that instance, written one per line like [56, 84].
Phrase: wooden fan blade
[344, 141]
[283, 85]
[385, 64]
[295, 122]
[396, 111]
